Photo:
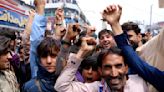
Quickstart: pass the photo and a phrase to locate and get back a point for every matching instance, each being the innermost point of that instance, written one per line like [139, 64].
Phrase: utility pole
[151, 7]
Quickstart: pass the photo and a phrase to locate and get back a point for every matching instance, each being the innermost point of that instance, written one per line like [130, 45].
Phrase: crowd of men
[71, 60]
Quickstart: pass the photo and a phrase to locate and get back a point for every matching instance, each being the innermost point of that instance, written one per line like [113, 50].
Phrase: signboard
[13, 19]
[64, 1]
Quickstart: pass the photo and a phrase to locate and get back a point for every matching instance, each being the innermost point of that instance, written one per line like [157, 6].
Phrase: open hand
[59, 15]
[112, 14]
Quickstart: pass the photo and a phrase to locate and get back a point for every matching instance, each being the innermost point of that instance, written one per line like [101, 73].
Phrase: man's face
[27, 48]
[13, 45]
[106, 41]
[5, 61]
[114, 71]
[21, 53]
[49, 63]
[90, 74]
[134, 38]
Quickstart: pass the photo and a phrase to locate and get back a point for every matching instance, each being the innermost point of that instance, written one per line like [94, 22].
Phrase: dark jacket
[25, 72]
[147, 72]
[44, 82]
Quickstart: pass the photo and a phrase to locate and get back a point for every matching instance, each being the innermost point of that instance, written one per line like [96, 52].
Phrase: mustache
[116, 77]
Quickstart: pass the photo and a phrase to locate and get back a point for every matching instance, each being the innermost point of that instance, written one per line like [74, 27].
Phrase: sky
[133, 10]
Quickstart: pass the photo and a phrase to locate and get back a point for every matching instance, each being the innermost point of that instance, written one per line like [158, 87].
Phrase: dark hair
[8, 33]
[131, 26]
[104, 53]
[48, 46]
[35, 3]
[105, 31]
[4, 45]
[48, 32]
[90, 61]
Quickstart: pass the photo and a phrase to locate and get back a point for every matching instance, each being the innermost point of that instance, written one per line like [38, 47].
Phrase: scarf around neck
[47, 80]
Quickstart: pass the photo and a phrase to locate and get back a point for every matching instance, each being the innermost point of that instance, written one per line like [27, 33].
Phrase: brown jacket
[153, 51]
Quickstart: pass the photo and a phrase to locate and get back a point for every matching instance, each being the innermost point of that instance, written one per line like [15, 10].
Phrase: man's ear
[100, 70]
[126, 68]
[139, 37]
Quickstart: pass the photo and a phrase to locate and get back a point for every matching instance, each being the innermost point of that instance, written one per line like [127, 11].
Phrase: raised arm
[37, 34]
[59, 25]
[65, 47]
[27, 31]
[39, 22]
[151, 74]
[65, 82]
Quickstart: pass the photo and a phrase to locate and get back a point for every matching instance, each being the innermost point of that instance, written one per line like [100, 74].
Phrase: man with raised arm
[149, 73]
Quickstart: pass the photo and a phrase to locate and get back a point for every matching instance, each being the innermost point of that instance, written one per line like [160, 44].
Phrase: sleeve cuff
[121, 40]
[74, 61]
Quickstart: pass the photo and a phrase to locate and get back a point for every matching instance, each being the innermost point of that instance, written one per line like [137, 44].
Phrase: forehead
[5, 52]
[113, 59]
[105, 34]
[131, 32]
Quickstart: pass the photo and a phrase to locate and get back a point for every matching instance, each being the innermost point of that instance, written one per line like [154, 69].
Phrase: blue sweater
[147, 72]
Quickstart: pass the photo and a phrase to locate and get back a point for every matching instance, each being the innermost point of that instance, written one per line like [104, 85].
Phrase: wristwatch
[65, 42]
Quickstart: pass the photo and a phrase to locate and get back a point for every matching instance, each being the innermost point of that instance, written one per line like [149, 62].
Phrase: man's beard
[135, 46]
[119, 87]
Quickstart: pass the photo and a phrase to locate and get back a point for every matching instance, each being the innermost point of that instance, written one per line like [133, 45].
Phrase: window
[68, 1]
